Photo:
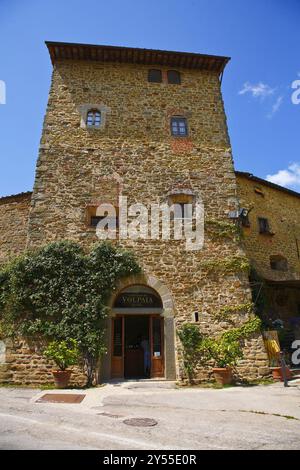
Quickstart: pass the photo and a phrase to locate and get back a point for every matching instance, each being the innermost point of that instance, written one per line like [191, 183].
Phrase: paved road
[232, 418]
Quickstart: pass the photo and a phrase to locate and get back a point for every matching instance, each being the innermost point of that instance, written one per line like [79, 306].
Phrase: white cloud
[261, 90]
[288, 178]
[275, 106]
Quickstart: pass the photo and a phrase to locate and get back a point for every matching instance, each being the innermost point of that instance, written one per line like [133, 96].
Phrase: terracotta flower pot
[61, 378]
[222, 375]
[277, 373]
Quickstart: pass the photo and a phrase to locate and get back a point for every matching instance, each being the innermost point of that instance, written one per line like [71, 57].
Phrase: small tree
[191, 339]
[58, 292]
[63, 353]
[225, 350]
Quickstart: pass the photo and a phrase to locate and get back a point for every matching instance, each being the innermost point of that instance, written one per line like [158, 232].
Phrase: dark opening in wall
[154, 76]
[174, 77]
[278, 263]
[263, 225]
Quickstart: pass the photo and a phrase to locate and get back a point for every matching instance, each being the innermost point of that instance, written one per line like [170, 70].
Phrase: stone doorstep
[143, 383]
[158, 379]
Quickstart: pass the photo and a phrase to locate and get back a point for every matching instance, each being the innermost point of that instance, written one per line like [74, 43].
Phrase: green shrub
[191, 339]
[63, 353]
[59, 292]
[224, 353]
[224, 350]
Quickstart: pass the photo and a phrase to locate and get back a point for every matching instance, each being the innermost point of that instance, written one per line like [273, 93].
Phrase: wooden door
[156, 346]
[117, 348]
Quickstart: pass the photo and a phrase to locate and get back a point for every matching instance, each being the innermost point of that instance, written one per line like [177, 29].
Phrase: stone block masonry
[133, 154]
[281, 207]
[24, 365]
[14, 211]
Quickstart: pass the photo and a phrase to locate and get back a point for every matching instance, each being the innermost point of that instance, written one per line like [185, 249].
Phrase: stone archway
[150, 281]
[167, 315]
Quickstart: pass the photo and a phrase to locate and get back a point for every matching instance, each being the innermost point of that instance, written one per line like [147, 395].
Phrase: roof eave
[104, 53]
[252, 177]
[17, 196]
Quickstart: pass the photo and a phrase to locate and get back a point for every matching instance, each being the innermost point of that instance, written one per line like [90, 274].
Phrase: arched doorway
[137, 333]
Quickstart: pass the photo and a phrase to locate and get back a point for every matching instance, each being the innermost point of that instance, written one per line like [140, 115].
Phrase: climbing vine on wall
[222, 229]
[226, 312]
[60, 292]
[234, 264]
[250, 327]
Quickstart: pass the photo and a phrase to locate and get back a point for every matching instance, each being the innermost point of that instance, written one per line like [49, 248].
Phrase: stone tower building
[149, 125]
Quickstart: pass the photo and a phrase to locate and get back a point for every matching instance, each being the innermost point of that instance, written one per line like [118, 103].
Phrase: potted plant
[277, 371]
[225, 352]
[64, 354]
[276, 365]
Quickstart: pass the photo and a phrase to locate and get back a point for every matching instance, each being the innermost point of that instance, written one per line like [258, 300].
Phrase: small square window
[93, 219]
[93, 118]
[278, 263]
[154, 76]
[182, 205]
[182, 210]
[173, 77]
[179, 126]
[263, 224]
[111, 221]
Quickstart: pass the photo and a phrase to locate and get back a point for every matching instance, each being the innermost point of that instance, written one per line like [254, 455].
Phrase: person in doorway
[146, 348]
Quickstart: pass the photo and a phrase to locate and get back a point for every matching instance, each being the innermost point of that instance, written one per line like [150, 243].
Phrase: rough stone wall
[282, 211]
[253, 366]
[14, 211]
[134, 146]
[133, 154]
[23, 364]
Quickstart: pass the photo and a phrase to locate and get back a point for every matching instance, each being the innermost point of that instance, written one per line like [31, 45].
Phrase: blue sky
[261, 36]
